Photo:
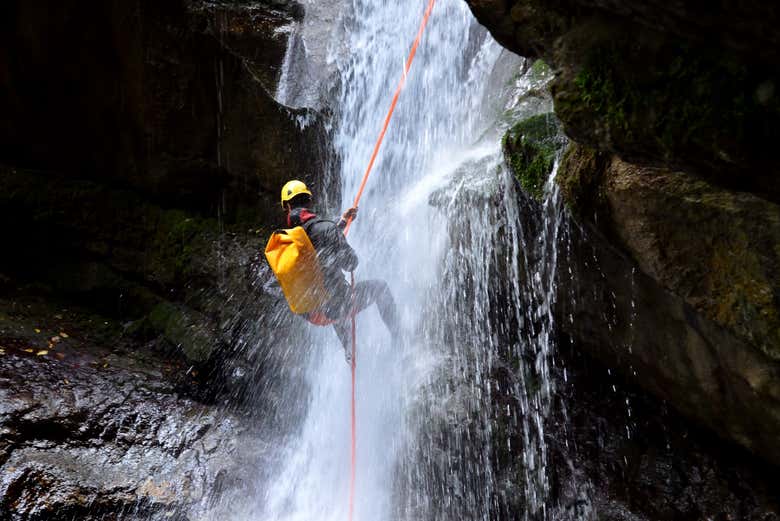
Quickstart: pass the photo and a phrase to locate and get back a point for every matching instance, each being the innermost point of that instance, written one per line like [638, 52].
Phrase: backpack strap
[311, 222]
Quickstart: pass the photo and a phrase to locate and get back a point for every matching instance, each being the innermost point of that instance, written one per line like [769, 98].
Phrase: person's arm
[348, 215]
[343, 255]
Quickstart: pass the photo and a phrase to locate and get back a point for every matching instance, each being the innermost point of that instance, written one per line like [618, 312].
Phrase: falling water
[451, 419]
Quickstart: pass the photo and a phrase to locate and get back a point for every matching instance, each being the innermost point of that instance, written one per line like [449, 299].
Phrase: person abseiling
[327, 297]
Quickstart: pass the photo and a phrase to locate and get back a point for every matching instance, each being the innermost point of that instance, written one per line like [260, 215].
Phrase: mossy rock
[579, 178]
[530, 147]
[668, 103]
[184, 328]
[717, 249]
[540, 71]
[180, 239]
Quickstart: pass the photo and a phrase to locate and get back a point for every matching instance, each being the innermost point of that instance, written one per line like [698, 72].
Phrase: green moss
[179, 239]
[677, 96]
[743, 295]
[184, 328]
[540, 71]
[580, 179]
[530, 148]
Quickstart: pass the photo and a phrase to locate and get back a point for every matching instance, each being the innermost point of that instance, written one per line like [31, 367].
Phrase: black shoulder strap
[308, 224]
[316, 220]
[311, 222]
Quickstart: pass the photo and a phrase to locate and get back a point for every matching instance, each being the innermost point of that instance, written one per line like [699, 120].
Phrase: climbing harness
[407, 66]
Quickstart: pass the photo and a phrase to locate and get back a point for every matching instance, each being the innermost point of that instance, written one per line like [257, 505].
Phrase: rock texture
[142, 177]
[717, 249]
[627, 457]
[678, 86]
[96, 441]
[169, 99]
[690, 351]
[141, 152]
[671, 272]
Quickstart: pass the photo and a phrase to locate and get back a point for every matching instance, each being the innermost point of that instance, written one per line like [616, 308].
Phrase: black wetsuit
[336, 256]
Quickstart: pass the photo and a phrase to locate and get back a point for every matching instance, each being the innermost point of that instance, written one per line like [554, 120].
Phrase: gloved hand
[350, 214]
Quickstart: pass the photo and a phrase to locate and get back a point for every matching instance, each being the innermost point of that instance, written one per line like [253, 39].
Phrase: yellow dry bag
[293, 260]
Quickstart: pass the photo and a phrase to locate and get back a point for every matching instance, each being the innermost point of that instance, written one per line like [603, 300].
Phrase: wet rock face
[141, 153]
[530, 147]
[715, 248]
[625, 456]
[89, 442]
[170, 99]
[672, 109]
[144, 175]
[684, 274]
[645, 81]
[749, 26]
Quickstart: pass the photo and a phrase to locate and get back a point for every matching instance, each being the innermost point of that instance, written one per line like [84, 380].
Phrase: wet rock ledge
[95, 426]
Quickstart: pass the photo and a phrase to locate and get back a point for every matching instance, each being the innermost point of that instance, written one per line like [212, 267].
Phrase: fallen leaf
[37, 330]
[2, 351]
[63, 335]
[42, 352]
[105, 365]
[66, 381]
[28, 350]
[55, 339]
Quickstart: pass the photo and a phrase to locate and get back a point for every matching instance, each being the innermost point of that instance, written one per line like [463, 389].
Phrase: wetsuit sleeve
[333, 250]
[344, 256]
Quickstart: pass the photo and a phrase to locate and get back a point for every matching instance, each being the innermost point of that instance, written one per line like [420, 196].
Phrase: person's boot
[348, 355]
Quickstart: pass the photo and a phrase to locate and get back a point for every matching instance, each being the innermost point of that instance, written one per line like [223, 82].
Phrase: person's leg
[343, 329]
[368, 292]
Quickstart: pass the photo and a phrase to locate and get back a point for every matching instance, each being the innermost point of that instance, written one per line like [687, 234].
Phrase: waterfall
[451, 419]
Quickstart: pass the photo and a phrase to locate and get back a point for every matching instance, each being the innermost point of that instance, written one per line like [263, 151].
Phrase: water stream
[440, 221]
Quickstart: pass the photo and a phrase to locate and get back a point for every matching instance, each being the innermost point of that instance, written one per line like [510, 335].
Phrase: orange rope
[397, 94]
[352, 450]
[378, 144]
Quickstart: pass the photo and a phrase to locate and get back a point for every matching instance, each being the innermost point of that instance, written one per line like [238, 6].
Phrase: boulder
[98, 441]
[675, 284]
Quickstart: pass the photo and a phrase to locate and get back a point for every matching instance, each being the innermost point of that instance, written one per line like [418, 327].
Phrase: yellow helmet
[293, 188]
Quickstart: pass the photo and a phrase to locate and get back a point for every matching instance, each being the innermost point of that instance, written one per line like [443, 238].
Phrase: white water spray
[439, 222]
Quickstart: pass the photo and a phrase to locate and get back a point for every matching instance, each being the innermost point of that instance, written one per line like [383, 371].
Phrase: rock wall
[689, 86]
[172, 99]
[698, 340]
[141, 153]
[672, 112]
